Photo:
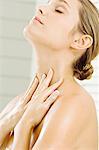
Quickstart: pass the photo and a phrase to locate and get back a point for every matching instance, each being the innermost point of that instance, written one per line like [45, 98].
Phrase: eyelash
[59, 11]
[56, 9]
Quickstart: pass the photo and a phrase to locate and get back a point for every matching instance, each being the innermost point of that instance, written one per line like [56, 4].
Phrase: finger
[52, 98]
[30, 91]
[47, 80]
[42, 79]
[39, 86]
[49, 90]
[44, 83]
[32, 82]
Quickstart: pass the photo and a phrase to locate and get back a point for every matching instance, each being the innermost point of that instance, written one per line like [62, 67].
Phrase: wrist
[27, 121]
[24, 126]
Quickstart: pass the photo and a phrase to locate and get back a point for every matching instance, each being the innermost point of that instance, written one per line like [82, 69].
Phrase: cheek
[58, 34]
[57, 38]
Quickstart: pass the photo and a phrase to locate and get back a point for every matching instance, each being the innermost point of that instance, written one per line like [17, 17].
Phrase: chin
[34, 36]
[25, 32]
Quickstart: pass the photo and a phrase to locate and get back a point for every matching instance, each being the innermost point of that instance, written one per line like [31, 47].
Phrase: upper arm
[63, 128]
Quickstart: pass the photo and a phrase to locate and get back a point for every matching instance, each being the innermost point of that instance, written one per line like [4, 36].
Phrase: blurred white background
[17, 67]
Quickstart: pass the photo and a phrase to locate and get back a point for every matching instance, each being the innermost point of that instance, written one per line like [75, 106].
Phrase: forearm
[5, 111]
[4, 130]
[7, 125]
[22, 136]
[8, 108]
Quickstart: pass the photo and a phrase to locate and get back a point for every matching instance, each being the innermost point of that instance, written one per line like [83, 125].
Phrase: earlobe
[84, 42]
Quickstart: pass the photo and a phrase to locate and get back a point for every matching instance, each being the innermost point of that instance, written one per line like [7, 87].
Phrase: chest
[88, 137]
[37, 131]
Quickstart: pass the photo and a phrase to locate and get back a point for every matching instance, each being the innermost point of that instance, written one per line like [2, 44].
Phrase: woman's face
[59, 17]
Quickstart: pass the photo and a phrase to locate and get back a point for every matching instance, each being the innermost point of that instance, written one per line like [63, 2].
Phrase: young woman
[66, 39]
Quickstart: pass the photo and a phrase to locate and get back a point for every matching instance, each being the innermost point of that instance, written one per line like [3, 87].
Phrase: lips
[38, 19]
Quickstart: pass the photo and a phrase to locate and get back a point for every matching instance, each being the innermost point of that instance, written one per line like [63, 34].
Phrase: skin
[57, 47]
[52, 118]
[29, 105]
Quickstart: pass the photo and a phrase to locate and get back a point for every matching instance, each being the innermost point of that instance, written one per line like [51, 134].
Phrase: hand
[40, 102]
[15, 102]
[19, 106]
[9, 118]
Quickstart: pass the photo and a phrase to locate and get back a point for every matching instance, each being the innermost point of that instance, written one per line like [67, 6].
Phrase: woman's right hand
[14, 103]
[14, 111]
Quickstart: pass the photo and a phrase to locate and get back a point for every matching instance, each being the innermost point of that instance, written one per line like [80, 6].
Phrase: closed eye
[58, 11]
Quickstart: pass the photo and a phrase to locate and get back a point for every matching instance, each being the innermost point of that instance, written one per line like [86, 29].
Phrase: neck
[59, 61]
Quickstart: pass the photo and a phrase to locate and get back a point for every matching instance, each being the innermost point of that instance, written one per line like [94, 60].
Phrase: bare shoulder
[71, 115]
[84, 103]
[81, 104]
[86, 98]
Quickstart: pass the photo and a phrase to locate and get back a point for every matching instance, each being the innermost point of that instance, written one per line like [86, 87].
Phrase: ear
[82, 43]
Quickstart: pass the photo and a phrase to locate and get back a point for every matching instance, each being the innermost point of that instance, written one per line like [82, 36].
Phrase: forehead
[66, 1]
[71, 4]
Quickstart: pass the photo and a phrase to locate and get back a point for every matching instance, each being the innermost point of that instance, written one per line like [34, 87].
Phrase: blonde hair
[88, 24]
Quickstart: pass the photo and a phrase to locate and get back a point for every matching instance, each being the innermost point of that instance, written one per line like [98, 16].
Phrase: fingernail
[61, 79]
[50, 70]
[44, 75]
[36, 76]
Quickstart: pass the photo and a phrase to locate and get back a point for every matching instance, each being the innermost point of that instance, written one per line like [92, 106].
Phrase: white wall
[15, 52]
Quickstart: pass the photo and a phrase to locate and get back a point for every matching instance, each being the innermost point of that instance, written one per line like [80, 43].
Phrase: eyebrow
[64, 2]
